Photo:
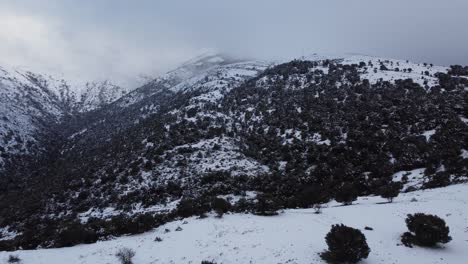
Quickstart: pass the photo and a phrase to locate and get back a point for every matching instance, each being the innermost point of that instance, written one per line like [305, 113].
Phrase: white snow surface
[422, 73]
[86, 95]
[415, 178]
[211, 155]
[294, 236]
[428, 134]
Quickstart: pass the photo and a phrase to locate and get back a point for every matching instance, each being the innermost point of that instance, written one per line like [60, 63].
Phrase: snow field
[294, 236]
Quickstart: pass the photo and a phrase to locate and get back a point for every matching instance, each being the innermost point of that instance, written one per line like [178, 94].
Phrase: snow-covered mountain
[94, 95]
[217, 126]
[28, 107]
[31, 103]
[30, 99]
[209, 71]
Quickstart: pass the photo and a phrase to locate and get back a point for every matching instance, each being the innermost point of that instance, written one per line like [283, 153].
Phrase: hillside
[32, 104]
[296, 134]
[294, 236]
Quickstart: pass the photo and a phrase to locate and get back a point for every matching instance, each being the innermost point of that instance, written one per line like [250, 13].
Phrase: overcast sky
[124, 39]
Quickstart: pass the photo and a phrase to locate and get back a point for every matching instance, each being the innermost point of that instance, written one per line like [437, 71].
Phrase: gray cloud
[121, 39]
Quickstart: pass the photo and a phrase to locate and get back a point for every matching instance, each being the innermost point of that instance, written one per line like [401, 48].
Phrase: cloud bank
[123, 40]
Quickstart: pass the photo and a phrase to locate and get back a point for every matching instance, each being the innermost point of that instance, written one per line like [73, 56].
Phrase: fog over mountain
[125, 41]
[226, 132]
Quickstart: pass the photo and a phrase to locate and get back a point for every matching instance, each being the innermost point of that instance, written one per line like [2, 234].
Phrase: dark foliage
[266, 205]
[189, 207]
[13, 259]
[458, 70]
[346, 194]
[345, 245]
[220, 206]
[312, 195]
[425, 230]
[439, 179]
[390, 190]
[75, 233]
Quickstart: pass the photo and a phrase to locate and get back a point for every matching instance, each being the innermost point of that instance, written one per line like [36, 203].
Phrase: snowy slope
[216, 154]
[209, 72]
[26, 106]
[208, 78]
[31, 102]
[295, 236]
[93, 95]
[81, 95]
[422, 73]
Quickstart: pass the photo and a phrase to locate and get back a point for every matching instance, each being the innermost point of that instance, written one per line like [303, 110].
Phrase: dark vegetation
[458, 70]
[346, 193]
[345, 245]
[220, 206]
[425, 231]
[390, 190]
[13, 259]
[322, 136]
[125, 255]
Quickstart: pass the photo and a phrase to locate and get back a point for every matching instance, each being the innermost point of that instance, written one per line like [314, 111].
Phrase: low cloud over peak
[122, 40]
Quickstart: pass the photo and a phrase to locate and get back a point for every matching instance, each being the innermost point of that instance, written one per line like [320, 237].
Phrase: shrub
[345, 245]
[346, 194]
[317, 208]
[243, 205]
[123, 224]
[390, 190]
[425, 230]
[440, 179]
[186, 208]
[13, 259]
[312, 195]
[220, 206]
[125, 255]
[75, 233]
[266, 205]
